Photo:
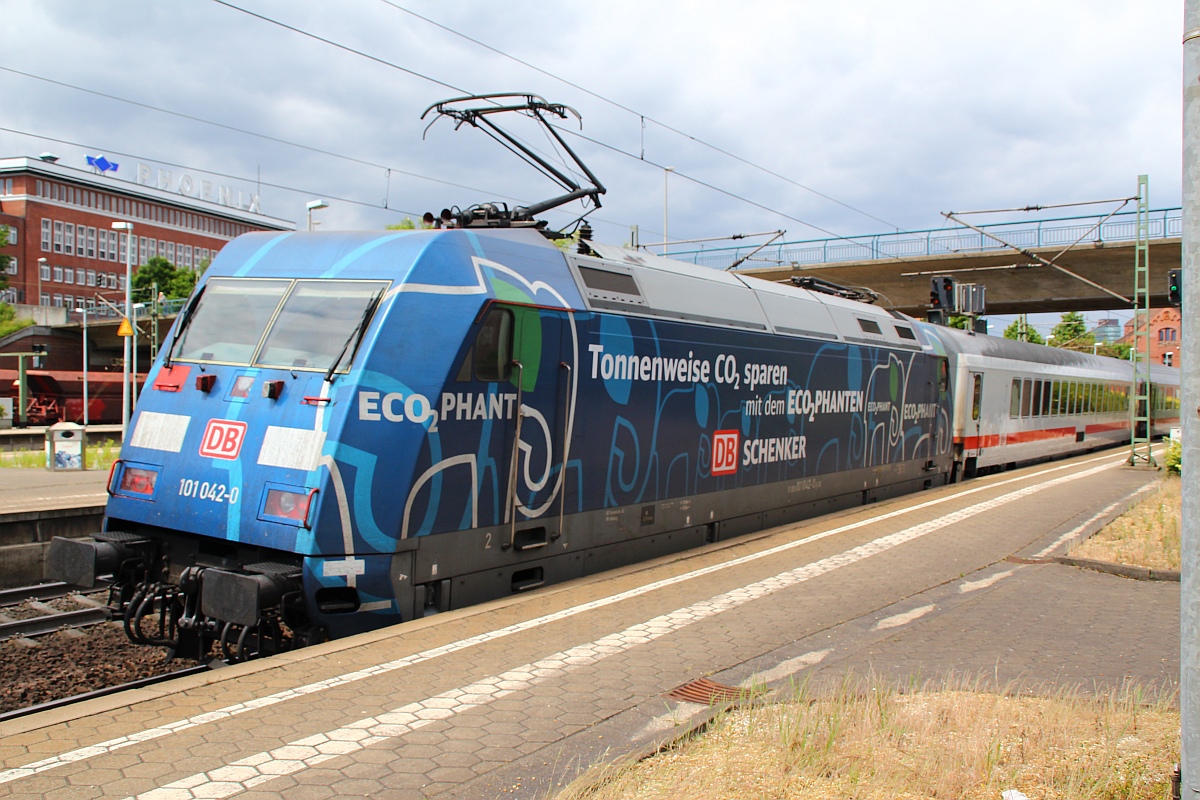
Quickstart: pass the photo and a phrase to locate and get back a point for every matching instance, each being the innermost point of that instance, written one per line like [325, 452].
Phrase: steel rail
[42, 591]
[50, 705]
[40, 626]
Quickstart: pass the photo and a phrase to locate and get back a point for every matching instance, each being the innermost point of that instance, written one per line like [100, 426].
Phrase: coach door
[975, 424]
[542, 372]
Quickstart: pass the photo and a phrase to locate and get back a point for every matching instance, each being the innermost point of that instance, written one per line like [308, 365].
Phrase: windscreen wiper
[355, 335]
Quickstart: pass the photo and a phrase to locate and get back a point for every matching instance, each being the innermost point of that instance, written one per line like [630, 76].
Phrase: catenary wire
[444, 84]
[638, 114]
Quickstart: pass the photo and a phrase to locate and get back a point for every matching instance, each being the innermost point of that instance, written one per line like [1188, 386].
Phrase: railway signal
[1175, 287]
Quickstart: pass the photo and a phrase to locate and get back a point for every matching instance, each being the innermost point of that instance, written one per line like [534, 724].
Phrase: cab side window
[493, 346]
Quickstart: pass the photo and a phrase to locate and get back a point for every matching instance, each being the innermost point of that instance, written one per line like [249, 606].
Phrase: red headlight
[138, 481]
[288, 505]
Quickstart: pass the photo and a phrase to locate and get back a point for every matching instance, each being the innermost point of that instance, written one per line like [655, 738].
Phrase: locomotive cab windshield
[285, 324]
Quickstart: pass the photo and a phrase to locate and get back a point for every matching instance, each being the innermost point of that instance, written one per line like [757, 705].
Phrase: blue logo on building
[101, 163]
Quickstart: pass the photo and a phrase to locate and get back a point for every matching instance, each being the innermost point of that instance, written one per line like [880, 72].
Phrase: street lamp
[41, 264]
[666, 175]
[313, 205]
[129, 245]
[83, 310]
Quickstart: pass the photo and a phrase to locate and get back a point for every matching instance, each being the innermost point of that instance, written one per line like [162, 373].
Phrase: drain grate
[705, 692]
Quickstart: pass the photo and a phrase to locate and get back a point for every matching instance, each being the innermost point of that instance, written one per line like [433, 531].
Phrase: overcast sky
[854, 118]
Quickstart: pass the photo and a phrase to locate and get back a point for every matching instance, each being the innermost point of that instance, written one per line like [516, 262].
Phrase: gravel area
[71, 662]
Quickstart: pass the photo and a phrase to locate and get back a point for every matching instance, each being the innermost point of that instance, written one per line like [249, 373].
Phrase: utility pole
[1189, 596]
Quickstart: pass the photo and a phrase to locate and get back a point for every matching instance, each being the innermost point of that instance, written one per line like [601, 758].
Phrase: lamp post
[83, 311]
[311, 206]
[666, 177]
[128, 227]
[41, 264]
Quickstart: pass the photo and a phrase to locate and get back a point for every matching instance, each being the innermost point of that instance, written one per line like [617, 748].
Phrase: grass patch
[1147, 535]
[99, 456]
[864, 740]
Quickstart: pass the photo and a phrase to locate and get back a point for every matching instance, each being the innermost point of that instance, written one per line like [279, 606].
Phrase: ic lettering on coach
[725, 452]
[223, 438]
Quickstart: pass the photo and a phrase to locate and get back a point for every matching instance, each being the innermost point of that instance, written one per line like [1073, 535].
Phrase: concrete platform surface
[515, 697]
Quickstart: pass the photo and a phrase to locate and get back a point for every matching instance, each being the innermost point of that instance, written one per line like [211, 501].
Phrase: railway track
[31, 611]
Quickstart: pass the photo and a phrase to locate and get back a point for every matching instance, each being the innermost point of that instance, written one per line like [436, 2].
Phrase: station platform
[515, 697]
[35, 506]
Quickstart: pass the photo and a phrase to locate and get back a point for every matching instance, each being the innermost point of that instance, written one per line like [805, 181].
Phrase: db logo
[725, 452]
[223, 438]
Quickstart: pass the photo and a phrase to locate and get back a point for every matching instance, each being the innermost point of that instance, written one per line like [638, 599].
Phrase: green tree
[1014, 331]
[8, 321]
[1071, 333]
[171, 281]
[960, 322]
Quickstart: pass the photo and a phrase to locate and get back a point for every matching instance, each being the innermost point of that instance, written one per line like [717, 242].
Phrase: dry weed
[864, 740]
[1147, 535]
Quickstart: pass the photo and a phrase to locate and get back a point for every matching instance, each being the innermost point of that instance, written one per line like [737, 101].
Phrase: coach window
[1037, 399]
[1056, 398]
[229, 319]
[1026, 397]
[1014, 403]
[943, 375]
[493, 346]
[977, 398]
[320, 324]
[1045, 398]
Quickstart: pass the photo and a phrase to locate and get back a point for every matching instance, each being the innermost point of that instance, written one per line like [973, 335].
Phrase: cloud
[898, 110]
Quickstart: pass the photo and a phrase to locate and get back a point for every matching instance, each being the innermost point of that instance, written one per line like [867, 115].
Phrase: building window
[68, 238]
[58, 301]
[121, 282]
[187, 255]
[80, 277]
[171, 252]
[69, 300]
[91, 277]
[12, 234]
[45, 298]
[80, 240]
[46, 236]
[91, 242]
[1166, 334]
[102, 245]
[58, 236]
[142, 250]
[124, 242]
[68, 275]
[58, 275]
[112, 245]
[44, 272]
[12, 266]
[153, 247]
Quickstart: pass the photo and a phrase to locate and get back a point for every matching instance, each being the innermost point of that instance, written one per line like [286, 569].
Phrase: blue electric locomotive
[349, 430]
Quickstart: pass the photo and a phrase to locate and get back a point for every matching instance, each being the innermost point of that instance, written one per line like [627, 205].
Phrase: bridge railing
[1164, 223]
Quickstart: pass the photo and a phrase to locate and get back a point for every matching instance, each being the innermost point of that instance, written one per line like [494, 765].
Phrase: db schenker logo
[725, 452]
[223, 438]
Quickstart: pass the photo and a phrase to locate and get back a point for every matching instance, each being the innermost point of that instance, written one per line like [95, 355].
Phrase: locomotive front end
[241, 512]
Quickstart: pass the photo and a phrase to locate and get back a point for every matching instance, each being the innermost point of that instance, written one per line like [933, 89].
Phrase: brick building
[1166, 325]
[64, 215]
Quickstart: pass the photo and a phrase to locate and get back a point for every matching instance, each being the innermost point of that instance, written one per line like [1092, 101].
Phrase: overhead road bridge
[899, 265]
